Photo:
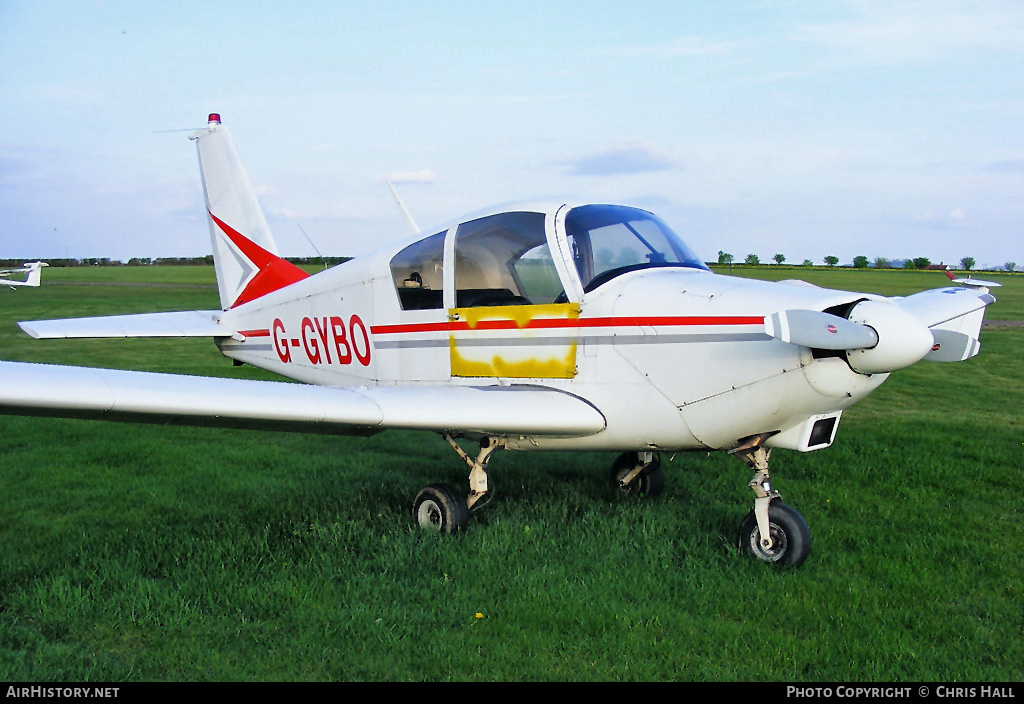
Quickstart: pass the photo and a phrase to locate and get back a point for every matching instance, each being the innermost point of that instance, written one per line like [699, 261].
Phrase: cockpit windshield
[609, 240]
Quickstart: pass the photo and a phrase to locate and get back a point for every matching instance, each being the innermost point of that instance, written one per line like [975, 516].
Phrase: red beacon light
[213, 119]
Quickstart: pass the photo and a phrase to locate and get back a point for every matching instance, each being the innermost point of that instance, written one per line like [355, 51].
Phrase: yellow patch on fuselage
[471, 355]
[532, 368]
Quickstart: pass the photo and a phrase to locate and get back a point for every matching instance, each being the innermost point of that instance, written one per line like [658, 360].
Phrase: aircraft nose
[902, 338]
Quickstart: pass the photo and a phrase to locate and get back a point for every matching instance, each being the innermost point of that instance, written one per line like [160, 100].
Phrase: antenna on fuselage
[303, 230]
[401, 205]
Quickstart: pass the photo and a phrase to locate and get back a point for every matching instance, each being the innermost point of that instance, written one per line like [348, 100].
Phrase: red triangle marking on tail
[274, 272]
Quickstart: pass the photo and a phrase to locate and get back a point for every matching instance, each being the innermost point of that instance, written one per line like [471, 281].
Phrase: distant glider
[32, 270]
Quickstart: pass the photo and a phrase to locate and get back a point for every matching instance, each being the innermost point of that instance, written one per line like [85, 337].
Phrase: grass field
[140, 553]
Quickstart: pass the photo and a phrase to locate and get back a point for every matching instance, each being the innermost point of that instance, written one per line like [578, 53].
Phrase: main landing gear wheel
[439, 507]
[649, 481]
[791, 538]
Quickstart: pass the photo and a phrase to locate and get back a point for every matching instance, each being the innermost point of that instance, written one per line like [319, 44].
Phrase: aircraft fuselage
[685, 350]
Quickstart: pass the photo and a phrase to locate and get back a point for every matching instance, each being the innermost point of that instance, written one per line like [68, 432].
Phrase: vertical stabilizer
[244, 252]
[33, 271]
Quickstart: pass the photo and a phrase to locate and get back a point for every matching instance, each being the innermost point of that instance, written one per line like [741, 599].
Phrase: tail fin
[32, 271]
[244, 252]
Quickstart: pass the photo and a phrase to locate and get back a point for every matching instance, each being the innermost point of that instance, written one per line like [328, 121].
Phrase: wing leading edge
[80, 392]
[954, 315]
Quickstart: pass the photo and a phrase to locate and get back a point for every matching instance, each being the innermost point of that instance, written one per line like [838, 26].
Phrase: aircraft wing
[941, 306]
[80, 392]
[954, 315]
[188, 323]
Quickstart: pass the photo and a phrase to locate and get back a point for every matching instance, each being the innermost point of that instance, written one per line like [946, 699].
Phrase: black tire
[439, 507]
[649, 483]
[790, 536]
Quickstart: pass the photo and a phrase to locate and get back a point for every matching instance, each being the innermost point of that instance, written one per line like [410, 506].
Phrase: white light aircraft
[542, 326]
[33, 271]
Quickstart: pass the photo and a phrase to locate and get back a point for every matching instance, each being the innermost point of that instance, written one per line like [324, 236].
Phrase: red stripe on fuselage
[570, 324]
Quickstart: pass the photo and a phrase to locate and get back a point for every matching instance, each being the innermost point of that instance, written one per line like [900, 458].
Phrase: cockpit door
[510, 318]
[515, 342]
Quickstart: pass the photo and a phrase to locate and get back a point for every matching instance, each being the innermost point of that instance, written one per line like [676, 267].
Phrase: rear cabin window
[416, 271]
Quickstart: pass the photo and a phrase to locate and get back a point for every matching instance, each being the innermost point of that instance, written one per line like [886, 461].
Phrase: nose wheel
[790, 536]
[773, 531]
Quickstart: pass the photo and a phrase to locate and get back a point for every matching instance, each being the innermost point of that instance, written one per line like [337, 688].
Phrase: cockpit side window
[537, 275]
[503, 260]
[416, 271]
[608, 240]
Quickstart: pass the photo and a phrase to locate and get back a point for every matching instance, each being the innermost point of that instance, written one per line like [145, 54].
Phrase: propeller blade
[811, 328]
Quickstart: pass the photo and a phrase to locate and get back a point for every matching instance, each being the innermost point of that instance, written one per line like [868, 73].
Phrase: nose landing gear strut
[772, 531]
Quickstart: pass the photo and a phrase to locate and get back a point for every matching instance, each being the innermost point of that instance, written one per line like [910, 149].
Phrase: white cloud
[629, 157]
[899, 32]
[420, 176]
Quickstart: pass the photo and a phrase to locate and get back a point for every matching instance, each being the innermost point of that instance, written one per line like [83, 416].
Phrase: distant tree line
[163, 261]
[724, 258]
[862, 262]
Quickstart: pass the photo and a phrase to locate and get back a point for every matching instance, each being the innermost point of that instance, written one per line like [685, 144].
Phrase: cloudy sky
[891, 129]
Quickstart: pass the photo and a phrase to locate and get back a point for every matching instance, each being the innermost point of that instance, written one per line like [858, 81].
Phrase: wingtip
[27, 328]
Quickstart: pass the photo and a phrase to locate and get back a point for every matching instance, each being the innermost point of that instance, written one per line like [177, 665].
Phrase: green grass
[136, 552]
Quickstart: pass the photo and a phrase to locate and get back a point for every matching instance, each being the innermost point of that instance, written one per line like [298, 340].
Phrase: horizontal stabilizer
[817, 330]
[188, 323]
[79, 392]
